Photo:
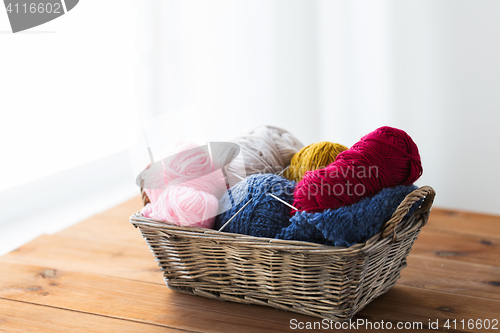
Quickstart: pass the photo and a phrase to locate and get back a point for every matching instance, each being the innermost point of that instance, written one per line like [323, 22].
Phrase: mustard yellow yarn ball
[313, 157]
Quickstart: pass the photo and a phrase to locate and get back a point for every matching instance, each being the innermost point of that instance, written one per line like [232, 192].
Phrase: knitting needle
[282, 201]
[232, 218]
[275, 197]
[229, 190]
[241, 178]
[279, 174]
[228, 186]
[151, 156]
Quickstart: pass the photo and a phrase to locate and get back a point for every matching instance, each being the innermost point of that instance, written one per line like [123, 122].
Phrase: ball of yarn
[348, 225]
[189, 162]
[313, 157]
[386, 157]
[191, 191]
[264, 216]
[265, 149]
[184, 206]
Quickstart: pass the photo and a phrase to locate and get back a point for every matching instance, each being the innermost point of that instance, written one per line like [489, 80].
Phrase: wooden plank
[451, 276]
[125, 209]
[409, 304]
[158, 305]
[112, 224]
[109, 229]
[459, 247]
[136, 301]
[90, 256]
[442, 260]
[448, 235]
[132, 260]
[423, 272]
[22, 317]
[455, 221]
[397, 307]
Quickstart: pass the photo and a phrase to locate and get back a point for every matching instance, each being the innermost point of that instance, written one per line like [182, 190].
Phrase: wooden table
[99, 276]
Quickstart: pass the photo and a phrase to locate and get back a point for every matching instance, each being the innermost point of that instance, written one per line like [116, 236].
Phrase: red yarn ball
[386, 157]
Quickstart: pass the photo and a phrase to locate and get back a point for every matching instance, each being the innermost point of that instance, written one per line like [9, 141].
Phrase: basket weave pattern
[307, 278]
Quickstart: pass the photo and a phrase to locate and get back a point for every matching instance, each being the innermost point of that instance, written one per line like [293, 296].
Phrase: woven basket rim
[138, 219]
[390, 226]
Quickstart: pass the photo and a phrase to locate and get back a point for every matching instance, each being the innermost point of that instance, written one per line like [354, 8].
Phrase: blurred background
[75, 92]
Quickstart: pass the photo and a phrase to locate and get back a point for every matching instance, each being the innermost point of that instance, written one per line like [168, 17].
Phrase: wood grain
[437, 259]
[452, 276]
[403, 303]
[21, 317]
[99, 276]
[114, 221]
[458, 247]
[153, 304]
[90, 256]
[136, 301]
[454, 221]
[79, 251]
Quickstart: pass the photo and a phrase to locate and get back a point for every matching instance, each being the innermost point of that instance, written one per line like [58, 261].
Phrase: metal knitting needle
[227, 183]
[151, 156]
[279, 174]
[282, 201]
[232, 218]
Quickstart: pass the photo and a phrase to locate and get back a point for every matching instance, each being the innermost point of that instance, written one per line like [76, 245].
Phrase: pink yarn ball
[186, 192]
[190, 162]
[184, 206]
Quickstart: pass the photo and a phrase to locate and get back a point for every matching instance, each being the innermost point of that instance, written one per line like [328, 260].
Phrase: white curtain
[74, 93]
[335, 70]
[242, 63]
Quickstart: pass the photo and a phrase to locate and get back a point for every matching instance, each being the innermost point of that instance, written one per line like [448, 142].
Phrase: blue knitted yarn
[348, 225]
[264, 216]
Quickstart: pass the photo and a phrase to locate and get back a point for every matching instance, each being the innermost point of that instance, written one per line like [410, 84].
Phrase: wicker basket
[307, 278]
